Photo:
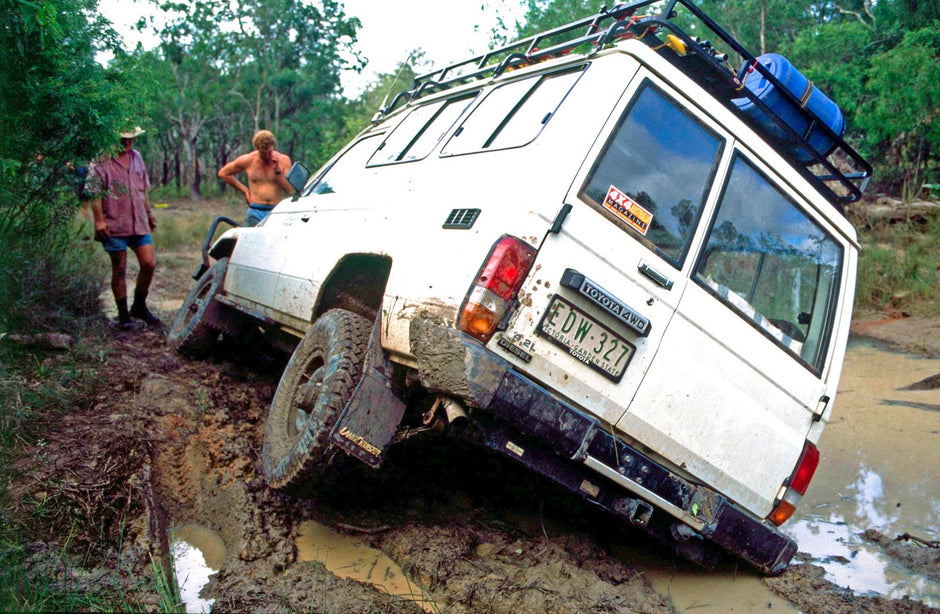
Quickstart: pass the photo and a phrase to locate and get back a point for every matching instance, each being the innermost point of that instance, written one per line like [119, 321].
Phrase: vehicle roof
[699, 60]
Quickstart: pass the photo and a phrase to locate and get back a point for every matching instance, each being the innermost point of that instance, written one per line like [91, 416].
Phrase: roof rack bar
[625, 23]
[530, 43]
[795, 139]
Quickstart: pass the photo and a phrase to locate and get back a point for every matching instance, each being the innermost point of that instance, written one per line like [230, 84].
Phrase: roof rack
[840, 174]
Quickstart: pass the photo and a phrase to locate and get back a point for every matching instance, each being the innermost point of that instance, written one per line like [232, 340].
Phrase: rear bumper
[587, 458]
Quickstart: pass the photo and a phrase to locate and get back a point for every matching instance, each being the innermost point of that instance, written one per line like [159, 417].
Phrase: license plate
[586, 339]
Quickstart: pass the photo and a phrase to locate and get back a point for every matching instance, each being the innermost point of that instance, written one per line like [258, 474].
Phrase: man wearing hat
[123, 219]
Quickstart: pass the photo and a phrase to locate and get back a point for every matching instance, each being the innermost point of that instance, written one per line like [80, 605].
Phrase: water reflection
[877, 472]
[852, 562]
[869, 492]
[197, 553]
[347, 558]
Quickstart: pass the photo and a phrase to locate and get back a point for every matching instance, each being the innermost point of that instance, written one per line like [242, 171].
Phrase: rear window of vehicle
[773, 264]
[420, 132]
[655, 173]
[512, 114]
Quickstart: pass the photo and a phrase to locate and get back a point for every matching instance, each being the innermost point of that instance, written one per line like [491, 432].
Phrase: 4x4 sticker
[628, 210]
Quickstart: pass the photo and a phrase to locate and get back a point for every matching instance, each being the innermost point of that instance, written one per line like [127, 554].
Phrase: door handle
[655, 275]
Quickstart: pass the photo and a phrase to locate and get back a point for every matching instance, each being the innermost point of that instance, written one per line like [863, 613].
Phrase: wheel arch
[223, 248]
[357, 283]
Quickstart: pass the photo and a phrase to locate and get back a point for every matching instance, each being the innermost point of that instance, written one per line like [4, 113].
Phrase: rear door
[743, 365]
[605, 287]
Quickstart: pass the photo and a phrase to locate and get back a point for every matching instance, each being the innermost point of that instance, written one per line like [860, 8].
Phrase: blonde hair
[263, 139]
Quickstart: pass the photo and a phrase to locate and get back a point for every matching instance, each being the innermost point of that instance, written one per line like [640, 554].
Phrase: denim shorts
[120, 244]
[256, 213]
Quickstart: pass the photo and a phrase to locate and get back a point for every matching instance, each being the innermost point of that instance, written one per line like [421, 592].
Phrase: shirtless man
[265, 169]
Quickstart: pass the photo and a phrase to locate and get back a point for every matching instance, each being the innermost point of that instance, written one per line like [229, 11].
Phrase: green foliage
[900, 115]
[167, 587]
[57, 106]
[382, 92]
[225, 70]
[542, 15]
[835, 56]
[50, 284]
[899, 267]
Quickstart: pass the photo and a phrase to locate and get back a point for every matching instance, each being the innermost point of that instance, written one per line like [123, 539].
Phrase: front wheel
[197, 326]
[316, 386]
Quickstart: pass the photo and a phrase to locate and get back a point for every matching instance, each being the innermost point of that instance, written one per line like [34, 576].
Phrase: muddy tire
[316, 385]
[197, 324]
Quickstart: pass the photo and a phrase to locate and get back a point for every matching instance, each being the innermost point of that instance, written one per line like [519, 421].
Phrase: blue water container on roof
[793, 115]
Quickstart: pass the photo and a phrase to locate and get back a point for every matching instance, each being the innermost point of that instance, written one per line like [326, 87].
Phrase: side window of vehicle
[512, 114]
[346, 171]
[771, 263]
[655, 173]
[421, 131]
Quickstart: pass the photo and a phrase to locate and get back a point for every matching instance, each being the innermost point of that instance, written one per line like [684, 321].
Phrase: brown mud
[165, 442]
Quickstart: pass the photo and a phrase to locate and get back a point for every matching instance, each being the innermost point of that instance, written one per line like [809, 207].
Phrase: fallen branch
[918, 540]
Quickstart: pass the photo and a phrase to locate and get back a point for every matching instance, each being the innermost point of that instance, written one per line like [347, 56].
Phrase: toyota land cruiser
[613, 252]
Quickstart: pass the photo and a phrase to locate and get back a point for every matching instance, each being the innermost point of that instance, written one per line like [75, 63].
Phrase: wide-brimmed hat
[132, 134]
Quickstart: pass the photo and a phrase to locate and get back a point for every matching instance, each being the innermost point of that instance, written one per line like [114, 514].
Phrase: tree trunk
[195, 188]
[763, 28]
[177, 167]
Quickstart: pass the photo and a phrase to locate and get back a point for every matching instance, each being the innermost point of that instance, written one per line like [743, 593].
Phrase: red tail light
[805, 469]
[799, 481]
[495, 286]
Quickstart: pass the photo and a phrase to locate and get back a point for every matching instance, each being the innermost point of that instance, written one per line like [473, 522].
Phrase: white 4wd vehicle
[603, 251]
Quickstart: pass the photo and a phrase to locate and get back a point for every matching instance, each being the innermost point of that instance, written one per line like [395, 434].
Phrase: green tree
[57, 106]
[187, 81]
[761, 26]
[836, 56]
[226, 70]
[285, 58]
[900, 113]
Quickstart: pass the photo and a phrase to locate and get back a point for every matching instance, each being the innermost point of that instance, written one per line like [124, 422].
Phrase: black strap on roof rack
[840, 174]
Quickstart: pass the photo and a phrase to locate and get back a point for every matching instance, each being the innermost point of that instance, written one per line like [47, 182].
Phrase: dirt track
[165, 442]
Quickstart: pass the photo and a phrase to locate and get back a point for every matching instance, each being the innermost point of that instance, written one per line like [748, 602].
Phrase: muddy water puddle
[346, 557]
[878, 471]
[197, 552]
[880, 454]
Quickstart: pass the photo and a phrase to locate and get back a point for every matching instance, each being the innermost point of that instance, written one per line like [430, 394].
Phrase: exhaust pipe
[453, 415]
[456, 414]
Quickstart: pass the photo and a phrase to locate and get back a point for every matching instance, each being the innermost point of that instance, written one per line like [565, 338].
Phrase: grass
[55, 286]
[51, 551]
[899, 267]
[183, 225]
[167, 587]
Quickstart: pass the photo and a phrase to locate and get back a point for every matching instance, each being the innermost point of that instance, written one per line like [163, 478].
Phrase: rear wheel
[197, 324]
[316, 385]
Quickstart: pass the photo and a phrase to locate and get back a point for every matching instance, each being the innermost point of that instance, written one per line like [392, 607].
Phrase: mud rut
[168, 441]
[165, 441]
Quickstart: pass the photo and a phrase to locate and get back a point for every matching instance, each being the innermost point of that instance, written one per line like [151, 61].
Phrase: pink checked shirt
[124, 192]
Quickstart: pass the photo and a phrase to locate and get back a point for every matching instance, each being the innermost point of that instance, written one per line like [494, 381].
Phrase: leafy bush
[899, 267]
[48, 285]
[58, 108]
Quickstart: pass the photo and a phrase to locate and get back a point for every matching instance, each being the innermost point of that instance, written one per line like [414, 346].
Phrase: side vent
[462, 218]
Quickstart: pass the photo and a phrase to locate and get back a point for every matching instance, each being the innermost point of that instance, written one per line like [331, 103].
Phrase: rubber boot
[139, 309]
[124, 317]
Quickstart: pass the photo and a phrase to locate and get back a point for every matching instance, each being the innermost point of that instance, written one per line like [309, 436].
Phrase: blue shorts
[257, 212]
[120, 244]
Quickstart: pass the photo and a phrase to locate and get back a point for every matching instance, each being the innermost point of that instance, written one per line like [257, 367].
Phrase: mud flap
[371, 418]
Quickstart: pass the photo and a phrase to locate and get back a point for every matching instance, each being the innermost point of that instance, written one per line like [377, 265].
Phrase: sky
[447, 30]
